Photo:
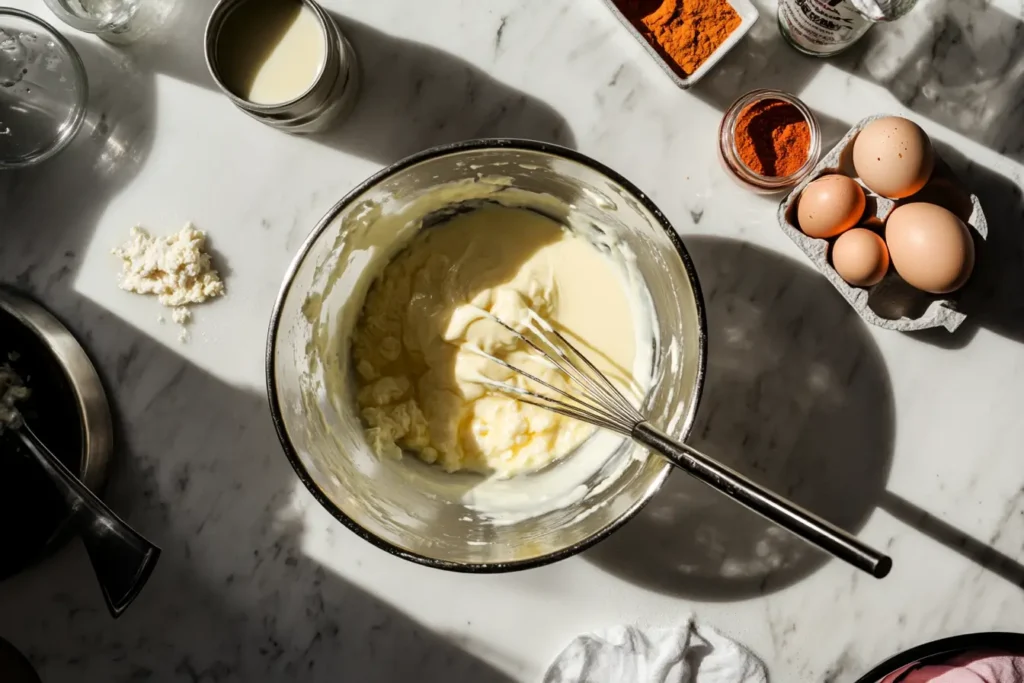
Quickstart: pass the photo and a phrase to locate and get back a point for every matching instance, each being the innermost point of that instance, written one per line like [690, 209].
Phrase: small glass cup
[730, 157]
[116, 21]
[43, 90]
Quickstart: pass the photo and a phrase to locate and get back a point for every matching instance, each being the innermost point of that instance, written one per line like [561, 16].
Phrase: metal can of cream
[282, 62]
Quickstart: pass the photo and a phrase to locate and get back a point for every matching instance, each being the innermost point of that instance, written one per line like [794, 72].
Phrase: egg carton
[892, 303]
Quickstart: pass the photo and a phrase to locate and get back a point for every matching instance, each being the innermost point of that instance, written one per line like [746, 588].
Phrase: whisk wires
[591, 397]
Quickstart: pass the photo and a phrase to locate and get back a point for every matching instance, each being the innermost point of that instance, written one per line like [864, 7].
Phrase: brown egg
[894, 157]
[949, 193]
[830, 205]
[930, 247]
[860, 257]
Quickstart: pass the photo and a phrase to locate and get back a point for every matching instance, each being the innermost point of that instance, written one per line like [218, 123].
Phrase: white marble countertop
[917, 443]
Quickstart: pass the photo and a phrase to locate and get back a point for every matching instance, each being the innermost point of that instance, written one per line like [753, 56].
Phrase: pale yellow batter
[411, 346]
[271, 51]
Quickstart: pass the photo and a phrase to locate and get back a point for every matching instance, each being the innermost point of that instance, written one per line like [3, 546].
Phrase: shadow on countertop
[198, 470]
[991, 299]
[415, 96]
[959, 63]
[798, 398]
[412, 96]
[234, 597]
[763, 59]
[107, 153]
[964, 70]
[956, 540]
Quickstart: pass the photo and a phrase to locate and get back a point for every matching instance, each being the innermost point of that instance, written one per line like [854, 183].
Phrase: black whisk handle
[769, 505]
[121, 558]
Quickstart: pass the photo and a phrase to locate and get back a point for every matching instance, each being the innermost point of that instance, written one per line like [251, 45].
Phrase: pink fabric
[968, 667]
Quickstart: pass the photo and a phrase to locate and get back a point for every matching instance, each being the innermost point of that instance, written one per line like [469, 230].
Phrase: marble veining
[913, 440]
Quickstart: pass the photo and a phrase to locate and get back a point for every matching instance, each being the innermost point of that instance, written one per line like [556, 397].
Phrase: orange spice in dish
[773, 138]
[685, 32]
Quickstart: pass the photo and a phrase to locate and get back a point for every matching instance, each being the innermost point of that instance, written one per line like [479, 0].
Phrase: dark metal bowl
[68, 406]
[14, 666]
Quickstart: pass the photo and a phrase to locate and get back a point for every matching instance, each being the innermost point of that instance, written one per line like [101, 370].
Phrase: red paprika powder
[773, 138]
[685, 32]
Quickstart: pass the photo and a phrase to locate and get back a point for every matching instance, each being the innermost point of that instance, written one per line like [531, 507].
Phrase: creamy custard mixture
[271, 51]
[413, 343]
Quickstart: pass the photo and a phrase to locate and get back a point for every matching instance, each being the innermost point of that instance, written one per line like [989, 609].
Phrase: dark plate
[14, 667]
[1011, 643]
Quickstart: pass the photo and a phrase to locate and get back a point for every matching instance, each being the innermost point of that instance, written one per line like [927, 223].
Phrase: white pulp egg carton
[748, 17]
[892, 303]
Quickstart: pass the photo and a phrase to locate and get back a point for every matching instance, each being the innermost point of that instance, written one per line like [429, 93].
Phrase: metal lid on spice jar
[769, 141]
[282, 62]
[883, 10]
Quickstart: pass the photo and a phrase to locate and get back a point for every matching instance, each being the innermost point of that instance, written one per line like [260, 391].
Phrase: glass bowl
[115, 21]
[43, 90]
[418, 511]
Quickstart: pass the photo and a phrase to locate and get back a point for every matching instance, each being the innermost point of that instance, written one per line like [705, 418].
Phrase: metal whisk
[594, 399]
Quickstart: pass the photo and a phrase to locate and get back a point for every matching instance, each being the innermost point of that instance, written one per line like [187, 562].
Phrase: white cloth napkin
[688, 653]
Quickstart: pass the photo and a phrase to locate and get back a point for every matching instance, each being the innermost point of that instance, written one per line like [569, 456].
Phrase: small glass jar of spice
[768, 141]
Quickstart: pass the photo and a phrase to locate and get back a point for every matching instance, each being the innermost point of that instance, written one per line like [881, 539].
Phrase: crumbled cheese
[12, 390]
[177, 269]
[181, 315]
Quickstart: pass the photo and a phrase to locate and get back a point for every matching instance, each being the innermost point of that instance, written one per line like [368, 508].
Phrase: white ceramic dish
[748, 16]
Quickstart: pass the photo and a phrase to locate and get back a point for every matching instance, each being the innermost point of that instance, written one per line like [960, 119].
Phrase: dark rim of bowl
[328, 218]
[996, 640]
[89, 397]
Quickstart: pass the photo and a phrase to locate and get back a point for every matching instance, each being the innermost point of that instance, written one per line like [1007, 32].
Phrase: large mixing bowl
[415, 510]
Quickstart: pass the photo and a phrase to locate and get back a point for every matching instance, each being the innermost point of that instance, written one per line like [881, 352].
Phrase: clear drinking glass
[43, 90]
[116, 21]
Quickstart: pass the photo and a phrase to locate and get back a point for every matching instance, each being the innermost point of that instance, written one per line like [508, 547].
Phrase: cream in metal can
[244, 38]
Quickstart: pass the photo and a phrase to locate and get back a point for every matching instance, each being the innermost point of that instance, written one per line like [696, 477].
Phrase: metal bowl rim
[401, 165]
[89, 395]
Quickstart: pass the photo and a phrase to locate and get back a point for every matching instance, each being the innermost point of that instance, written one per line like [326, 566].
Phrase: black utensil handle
[769, 505]
[121, 558]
